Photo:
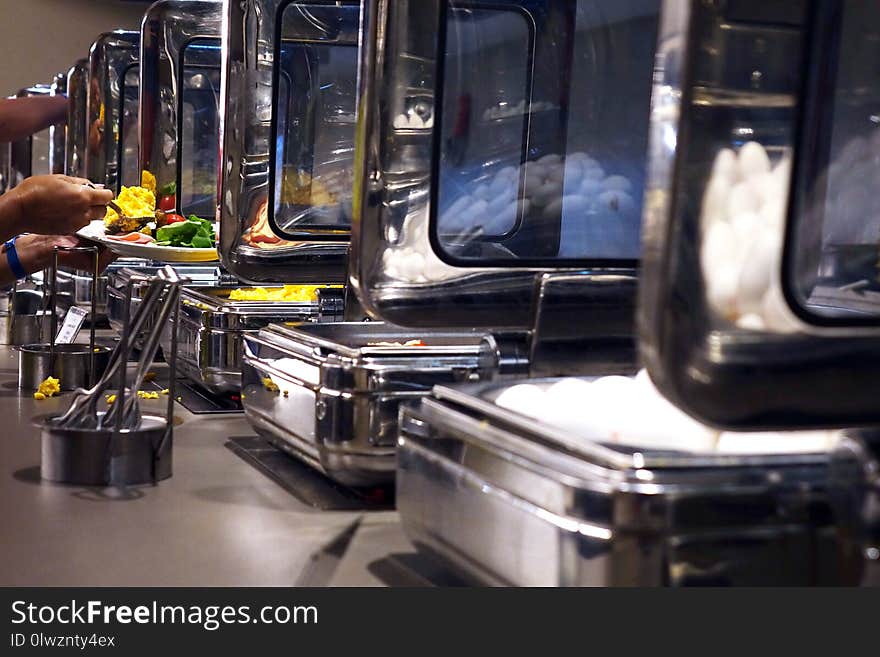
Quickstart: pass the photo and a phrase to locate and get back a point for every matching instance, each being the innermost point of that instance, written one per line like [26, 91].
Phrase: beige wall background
[39, 38]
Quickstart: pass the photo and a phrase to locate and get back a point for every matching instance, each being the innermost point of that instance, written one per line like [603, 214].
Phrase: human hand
[36, 251]
[57, 204]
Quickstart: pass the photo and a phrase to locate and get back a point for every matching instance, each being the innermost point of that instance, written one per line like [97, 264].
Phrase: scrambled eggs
[142, 394]
[286, 293]
[136, 202]
[270, 385]
[48, 388]
[148, 181]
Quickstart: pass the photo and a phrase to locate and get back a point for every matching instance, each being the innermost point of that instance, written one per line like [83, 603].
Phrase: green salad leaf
[194, 233]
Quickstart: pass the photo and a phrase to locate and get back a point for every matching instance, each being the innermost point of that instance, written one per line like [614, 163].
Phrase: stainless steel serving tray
[328, 394]
[119, 278]
[212, 328]
[506, 500]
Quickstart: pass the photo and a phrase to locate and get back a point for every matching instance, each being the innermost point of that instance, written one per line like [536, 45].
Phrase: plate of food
[143, 231]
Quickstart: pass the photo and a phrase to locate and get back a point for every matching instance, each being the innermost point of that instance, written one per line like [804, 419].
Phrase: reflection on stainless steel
[118, 280]
[180, 52]
[724, 332]
[536, 183]
[77, 132]
[212, 329]
[330, 395]
[57, 133]
[508, 501]
[30, 156]
[112, 109]
[248, 247]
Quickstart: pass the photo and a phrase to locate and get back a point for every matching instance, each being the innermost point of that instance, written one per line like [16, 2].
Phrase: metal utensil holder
[75, 366]
[27, 316]
[119, 446]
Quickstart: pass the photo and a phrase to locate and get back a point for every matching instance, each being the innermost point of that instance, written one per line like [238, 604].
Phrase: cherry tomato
[168, 203]
[174, 218]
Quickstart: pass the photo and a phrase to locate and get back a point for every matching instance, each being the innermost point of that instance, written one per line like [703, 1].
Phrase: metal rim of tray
[626, 458]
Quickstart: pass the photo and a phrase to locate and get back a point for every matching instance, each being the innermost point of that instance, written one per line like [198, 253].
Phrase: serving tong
[161, 300]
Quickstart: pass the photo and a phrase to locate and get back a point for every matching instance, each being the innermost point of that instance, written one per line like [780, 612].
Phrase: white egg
[722, 286]
[618, 203]
[534, 181]
[570, 205]
[759, 269]
[773, 216]
[524, 398]
[753, 160]
[499, 202]
[556, 173]
[617, 184]
[743, 198]
[777, 442]
[498, 186]
[590, 187]
[483, 192]
[502, 221]
[652, 422]
[577, 156]
[547, 193]
[725, 168]
[642, 378]
[715, 201]
[475, 212]
[594, 172]
[508, 173]
[721, 247]
[551, 159]
[747, 226]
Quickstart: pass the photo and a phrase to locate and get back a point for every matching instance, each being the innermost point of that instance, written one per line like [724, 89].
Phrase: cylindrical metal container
[90, 457]
[27, 321]
[71, 366]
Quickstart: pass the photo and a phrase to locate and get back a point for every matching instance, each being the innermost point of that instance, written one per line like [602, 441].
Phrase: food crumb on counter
[166, 392]
[270, 385]
[48, 388]
[142, 394]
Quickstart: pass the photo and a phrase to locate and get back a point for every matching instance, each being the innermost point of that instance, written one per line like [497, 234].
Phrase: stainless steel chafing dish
[212, 330]
[550, 507]
[111, 156]
[267, 235]
[506, 500]
[179, 102]
[118, 279]
[330, 393]
[77, 133]
[494, 290]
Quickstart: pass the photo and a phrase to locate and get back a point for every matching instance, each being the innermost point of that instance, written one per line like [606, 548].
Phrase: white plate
[95, 231]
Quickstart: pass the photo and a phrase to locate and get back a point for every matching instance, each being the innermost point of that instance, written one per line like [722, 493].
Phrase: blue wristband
[12, 258]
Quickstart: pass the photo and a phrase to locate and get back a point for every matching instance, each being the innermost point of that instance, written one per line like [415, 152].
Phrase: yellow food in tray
[148, 181]
[48, 388]
[286, 293]
[136, 202]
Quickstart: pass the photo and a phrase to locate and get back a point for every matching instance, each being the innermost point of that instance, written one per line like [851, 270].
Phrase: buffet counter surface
[217, 522]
